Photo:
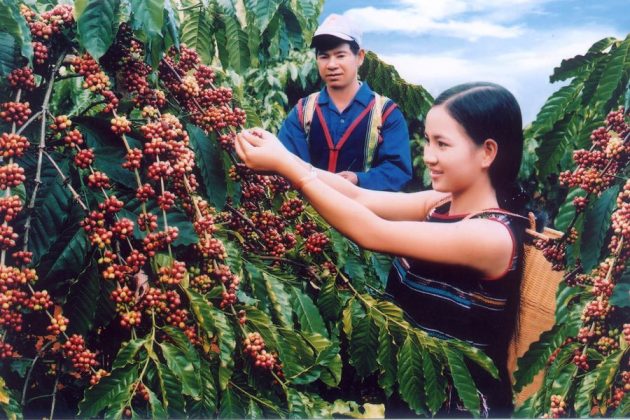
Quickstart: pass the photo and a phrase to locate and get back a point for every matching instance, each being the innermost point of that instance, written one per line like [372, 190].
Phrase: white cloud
[524, 71]
[465, 19]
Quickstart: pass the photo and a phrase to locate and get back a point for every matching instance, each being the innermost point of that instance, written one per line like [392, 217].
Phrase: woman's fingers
[252, 138]
[238, 146]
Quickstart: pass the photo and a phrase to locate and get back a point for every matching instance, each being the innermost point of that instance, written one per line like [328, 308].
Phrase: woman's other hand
[262, 151]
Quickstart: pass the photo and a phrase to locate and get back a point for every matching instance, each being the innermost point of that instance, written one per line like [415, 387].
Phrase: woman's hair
[489, 111]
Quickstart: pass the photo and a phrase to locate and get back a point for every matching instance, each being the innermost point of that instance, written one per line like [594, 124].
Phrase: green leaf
[352, 314]
[308, 315]
[585, 391]
[237, 45]
[340, 245]
[172, 397]
[157, 409]
[621, 295]
[206, 406]
[72, 259]
[606, 372]
[13, 23]
[463, 382]
[147, 16]
[82, 301]
[410, 375]
[602, 44]
[364, 341]
[253, 410]
[614, 73]
[382, 264]
[538, 353]
[556, 107]
[262, 323]
[596, 227]
[98, 25]
[623, 411]
[202, 311]
[279, 299]
[434, 383]
[128, 352]
[564, 380]
[183, 368]
[232, 406]
[108, 149]
[172, 25]
[197, 28]
[53, 205]
[298, 404]
[567, 209]
[354, 268]
[476, 356]
[227, 344]
[328, 301]
[552, 149]
[7, 54]
[386, 357]
[208, 154]
[263, 11]
[109, 391]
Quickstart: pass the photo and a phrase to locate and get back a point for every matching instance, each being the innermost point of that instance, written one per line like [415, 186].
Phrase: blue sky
[439, 43]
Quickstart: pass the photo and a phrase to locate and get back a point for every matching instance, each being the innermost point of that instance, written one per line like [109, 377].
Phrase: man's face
[338, 66]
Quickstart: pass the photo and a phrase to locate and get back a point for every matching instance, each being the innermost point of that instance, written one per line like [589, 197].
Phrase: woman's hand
[262, 151]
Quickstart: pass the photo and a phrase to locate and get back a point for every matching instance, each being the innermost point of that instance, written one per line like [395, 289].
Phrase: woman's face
[454, 160]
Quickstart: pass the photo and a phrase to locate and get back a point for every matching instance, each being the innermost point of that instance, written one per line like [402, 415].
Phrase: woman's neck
[476, 198]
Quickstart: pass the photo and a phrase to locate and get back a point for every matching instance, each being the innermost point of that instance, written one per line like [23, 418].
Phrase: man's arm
[391, 167]
[293, 137]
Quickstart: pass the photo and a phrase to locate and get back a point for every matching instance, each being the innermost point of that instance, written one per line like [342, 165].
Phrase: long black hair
[489, 111]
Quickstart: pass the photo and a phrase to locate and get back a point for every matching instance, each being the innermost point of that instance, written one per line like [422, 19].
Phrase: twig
[54, 397]
[245, 219]
[42, 146]
[30, 370]
[28, 122]
[66, 183]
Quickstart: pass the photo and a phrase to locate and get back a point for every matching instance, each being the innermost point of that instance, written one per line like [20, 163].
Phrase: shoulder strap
[307, 110]
[531, 218]
[374, 130]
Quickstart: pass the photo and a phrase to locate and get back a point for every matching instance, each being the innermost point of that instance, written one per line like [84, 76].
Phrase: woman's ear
[490, 149]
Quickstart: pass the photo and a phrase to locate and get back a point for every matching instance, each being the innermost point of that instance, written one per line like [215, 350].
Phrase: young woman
[458, 268]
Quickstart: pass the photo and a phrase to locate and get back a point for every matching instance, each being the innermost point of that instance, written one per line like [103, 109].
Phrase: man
[347, 128]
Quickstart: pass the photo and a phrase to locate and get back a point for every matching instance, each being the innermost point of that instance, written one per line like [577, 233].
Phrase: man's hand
[350, 176]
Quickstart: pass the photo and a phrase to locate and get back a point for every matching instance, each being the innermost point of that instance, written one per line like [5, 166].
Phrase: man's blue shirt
[391, 167]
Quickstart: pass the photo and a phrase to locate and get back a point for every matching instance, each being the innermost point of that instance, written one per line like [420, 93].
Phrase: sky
[440, 43]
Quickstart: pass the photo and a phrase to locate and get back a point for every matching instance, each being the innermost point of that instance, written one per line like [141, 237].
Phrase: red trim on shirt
[300, 110]
[389, 111]
[513, 249]
[333, 150]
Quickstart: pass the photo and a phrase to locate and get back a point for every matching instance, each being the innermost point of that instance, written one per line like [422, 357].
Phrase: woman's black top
[451, 301]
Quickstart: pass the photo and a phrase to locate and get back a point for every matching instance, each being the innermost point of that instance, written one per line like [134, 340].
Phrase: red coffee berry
[15, 112]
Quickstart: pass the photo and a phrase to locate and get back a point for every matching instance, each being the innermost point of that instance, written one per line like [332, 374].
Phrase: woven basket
[539, 286]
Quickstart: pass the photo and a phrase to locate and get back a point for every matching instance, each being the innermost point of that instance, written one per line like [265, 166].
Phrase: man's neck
[343, 96]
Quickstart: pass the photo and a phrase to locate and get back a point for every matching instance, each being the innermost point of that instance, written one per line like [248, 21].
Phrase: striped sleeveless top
[450, 301]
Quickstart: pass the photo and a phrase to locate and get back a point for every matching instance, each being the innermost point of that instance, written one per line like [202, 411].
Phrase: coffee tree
[145, 272]
[585, 164]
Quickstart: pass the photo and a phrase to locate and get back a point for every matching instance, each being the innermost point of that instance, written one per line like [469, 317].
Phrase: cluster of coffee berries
[22, 78]
[596, 167]
[558, 407]
[15, 112]
[292, 208]
[316, 242]
[254, 346]
[83, 360]
[223, 274]
[554, 251]
[120, 125]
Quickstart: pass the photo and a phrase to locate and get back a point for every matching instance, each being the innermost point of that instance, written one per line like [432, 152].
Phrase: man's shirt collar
[363, 95]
